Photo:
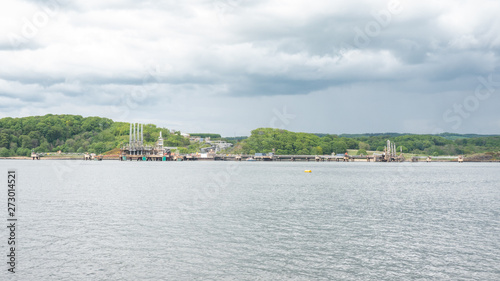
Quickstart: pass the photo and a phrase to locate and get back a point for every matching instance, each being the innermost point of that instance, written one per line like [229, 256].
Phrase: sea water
[114, 220]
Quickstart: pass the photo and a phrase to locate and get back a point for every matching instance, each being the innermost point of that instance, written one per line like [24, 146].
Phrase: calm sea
[116, 220]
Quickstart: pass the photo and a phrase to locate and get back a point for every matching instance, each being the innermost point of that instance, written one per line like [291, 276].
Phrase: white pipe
[137, 132]
[138, 139]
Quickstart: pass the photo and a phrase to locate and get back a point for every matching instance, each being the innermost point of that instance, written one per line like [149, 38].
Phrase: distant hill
[286, 142]
[205, 135]
[74, 133]
[452, 136]
[372, 135]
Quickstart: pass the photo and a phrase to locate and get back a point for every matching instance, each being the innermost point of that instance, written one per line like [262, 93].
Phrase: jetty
[138, 151]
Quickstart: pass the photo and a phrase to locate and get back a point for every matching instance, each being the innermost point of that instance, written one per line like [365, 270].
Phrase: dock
[137, 150]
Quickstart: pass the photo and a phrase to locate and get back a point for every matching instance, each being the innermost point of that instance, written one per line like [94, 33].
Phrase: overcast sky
[230, 66]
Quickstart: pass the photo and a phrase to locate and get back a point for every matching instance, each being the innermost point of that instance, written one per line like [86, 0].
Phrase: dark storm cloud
[171, 58]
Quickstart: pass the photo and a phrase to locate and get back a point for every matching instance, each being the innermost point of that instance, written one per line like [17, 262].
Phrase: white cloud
[211, 64]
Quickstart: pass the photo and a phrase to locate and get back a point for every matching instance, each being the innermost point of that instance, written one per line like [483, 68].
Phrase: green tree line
[264, 140]
[206, 135]
[72, 133]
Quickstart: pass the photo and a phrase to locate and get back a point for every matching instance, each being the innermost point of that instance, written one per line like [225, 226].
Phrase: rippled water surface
[116, 220]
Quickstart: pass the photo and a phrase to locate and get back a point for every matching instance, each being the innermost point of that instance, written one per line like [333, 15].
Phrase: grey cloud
[220, 55]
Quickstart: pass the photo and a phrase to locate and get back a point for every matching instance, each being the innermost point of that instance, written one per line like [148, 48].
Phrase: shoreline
[205, 160]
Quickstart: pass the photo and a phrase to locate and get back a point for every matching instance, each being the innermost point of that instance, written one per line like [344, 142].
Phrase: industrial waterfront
[137, 149]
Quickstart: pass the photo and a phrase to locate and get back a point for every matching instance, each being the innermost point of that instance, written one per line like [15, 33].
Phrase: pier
[34, 155]
[286, 158]
[136, 150]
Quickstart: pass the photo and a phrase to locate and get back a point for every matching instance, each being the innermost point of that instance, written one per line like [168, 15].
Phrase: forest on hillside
[285, 142]
[74, 133]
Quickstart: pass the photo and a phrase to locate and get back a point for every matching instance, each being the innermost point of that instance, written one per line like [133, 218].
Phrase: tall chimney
[142, 133]
[137, 132]
[130, 135]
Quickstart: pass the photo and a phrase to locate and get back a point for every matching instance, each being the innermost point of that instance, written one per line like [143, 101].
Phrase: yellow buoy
[308, 171]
